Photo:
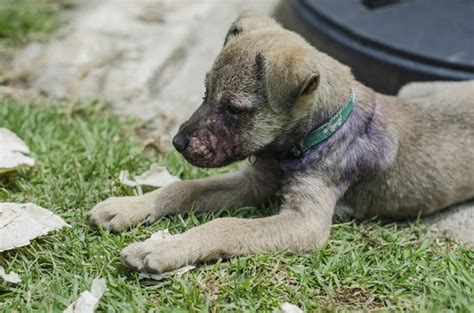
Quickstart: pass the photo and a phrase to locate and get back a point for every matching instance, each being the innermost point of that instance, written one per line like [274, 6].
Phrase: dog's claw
[117, 214]
[133, 257]
[156, 256]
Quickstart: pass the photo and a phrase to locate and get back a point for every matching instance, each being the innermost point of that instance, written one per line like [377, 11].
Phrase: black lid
[436, 34]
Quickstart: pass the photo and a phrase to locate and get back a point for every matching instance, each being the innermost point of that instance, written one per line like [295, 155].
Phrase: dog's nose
[180, 142]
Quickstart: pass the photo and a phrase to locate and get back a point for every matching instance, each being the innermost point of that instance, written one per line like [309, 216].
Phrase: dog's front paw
[157, 255]
[120, 213]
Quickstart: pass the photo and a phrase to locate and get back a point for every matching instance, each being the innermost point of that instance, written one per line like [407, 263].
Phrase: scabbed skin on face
[211, 140]
[216, 135]
[221, 131]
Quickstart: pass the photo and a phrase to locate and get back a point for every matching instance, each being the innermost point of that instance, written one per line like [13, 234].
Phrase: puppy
[318, 136]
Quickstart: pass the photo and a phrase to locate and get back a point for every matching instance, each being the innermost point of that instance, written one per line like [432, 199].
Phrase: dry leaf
[163, 234]
[11, 277]
[156, 176]
[88, 300]
[12, 152]
[290, 308]
[20, 223]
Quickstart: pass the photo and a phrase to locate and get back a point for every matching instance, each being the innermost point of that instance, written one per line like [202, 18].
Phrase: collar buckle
[297, 150]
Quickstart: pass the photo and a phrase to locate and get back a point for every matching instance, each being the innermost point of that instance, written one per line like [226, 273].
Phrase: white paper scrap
[163, 234]
[156, 176]
[88, 300]
[290, 308]
[12, 152]
[20, 223]
[11, 277]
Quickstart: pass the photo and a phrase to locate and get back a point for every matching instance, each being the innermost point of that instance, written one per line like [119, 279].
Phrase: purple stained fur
[363, 143]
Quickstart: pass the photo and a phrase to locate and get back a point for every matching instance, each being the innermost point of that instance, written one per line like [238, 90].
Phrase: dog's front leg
[302, 225]
[247, 187]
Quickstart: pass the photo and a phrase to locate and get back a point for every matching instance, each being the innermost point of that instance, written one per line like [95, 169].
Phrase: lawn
[25, 21]
[22, 21]
[80, 150]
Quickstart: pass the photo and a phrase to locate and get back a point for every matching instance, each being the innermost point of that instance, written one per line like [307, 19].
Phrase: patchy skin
[211, 145]
[220, 129]
[214, 139]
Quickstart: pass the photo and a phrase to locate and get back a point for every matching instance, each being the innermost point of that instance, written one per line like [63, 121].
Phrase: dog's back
[434, 166]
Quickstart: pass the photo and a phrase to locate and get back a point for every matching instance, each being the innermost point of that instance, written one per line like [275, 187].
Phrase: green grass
[80, 150]
[23, 21]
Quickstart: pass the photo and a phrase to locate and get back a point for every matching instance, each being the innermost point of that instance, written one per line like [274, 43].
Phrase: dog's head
[262, 94]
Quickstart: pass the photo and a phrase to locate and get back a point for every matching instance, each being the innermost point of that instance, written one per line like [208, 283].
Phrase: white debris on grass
[163, 234]
[156, 176]
[290, 308]
[164, 275]
[20, 223]
[88, 300]
[11, 277]
[12, 152]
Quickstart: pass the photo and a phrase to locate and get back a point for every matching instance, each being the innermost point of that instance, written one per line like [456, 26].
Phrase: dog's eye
[234, 110]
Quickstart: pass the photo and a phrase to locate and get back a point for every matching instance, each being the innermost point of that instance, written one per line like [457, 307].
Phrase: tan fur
[426, 160]
[247, 187]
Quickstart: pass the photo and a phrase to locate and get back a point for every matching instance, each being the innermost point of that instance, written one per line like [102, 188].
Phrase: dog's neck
[315, 115]
[323, 131]
[363, 141]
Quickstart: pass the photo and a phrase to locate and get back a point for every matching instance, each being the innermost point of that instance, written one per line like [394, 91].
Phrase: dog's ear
[234, 30]
[286, 78]
[246, 22]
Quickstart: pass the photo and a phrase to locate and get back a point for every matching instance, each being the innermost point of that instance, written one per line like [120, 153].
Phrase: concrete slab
[456, 223]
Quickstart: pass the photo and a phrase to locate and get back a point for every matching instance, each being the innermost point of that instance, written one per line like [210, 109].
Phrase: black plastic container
[388, 43]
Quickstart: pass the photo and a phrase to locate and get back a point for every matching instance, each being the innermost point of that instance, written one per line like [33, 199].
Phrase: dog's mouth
[208, 160]
[206, 150]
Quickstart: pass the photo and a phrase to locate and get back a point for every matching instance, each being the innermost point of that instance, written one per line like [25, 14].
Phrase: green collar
[326, 130]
